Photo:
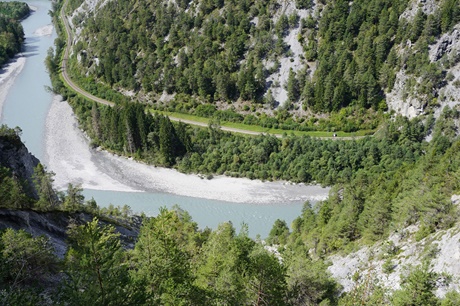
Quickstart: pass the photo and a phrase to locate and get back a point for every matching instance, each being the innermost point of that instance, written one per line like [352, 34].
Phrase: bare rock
[455, 199]
[54, 225]
[442, 248]
[427, 6]
[402, 102]
[448, 44]
[15, 156]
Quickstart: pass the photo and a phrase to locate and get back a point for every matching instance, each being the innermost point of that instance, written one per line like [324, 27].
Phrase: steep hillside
[387, 263]
[16, 166]
[429, 75]
[308, 57]
[359, 54]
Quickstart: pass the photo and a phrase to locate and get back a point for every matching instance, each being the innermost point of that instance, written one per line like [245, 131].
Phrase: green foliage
[417, 288]
[213, 52]
[219, 41]
[73, 5]
[162, 259]
[222, 265]
[279, 233]
[388, 266]
[44, 184]
[391, 179]
[14, 10]
[26, 263]
[308, 281]
[452, 298]
[349, 119]
[173, 263]
[12, 191]
[351, 44]
[298, 159]
[234, 270]
[127, 128]
[304, 4]
[293, 87]
[96, 268]
[267, 283]
[368, 292]
[356, 41]
[450, 14]
[74, 198]
[393, 193]
[221, 56]
[37, 192]
[24, 260]
[11, 32]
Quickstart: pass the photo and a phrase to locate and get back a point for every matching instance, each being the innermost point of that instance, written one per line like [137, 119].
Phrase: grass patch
[184, 116]
[259, 129]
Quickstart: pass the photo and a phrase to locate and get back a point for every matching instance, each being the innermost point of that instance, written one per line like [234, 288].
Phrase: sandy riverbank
[44, 31]
[8, 74]
[69, 156]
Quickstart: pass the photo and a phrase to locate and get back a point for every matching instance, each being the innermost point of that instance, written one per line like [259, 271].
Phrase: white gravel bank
[70, 157]
[8, 73]
[44, 31]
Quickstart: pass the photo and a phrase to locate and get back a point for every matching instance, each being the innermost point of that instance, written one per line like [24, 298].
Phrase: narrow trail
[91, 97]
[65, 75]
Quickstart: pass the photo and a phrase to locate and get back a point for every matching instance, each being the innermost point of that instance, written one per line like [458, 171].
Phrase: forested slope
[11, 32]
[311, 57]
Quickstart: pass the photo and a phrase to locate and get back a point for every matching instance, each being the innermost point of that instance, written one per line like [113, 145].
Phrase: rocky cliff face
[447, 51]
[403, 102]
[386, 261]
[407, 99]
[15, 156]
[54, 226]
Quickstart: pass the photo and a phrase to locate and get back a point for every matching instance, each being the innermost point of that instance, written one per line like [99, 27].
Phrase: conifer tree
[162, 260]
[96, 268]
[167, 141]
[44, 185]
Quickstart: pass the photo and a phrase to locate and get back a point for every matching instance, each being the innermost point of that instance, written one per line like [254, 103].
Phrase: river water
[51, 133]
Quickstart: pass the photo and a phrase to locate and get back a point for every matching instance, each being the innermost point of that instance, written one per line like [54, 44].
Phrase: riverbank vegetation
[11, 31]
[129, 129]
[14, 10]
[21, 190]
[387, 165]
